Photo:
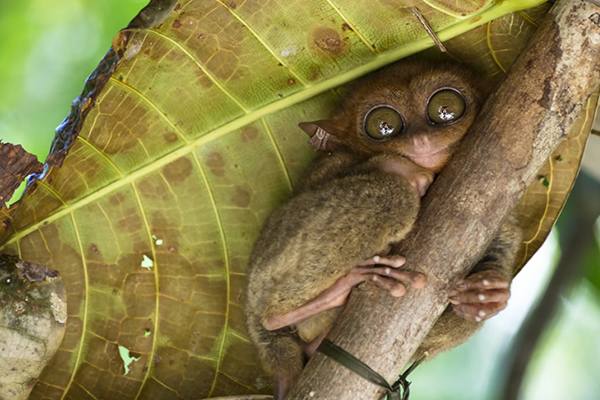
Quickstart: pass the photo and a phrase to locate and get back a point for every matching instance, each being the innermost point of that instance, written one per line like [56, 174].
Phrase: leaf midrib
[310, 91]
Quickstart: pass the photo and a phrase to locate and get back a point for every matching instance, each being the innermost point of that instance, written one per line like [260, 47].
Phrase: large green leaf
[183, 141]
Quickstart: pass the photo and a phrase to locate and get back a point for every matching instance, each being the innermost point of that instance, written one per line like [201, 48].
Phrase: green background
[49, 47]
[47, 50]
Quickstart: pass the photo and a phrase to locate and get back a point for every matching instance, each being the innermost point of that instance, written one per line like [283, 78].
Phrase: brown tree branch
[520, 125]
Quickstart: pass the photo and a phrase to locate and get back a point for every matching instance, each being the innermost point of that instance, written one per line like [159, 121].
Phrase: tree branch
[520, 125]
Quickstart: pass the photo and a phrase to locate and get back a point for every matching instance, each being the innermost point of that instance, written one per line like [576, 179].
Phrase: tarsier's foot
[383, 271]
[420, 178]
[480, 296]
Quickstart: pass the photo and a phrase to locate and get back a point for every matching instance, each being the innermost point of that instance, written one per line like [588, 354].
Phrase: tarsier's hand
[480, 296]
[383, 271]
[419, 177]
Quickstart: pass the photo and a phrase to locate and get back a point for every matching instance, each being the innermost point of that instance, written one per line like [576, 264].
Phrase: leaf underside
[189, 145]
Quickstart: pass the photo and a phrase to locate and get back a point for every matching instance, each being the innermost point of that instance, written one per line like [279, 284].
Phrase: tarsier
[379, 153]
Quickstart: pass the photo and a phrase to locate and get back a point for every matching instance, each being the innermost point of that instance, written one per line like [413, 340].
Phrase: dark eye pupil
[444, 114]
[385, 129]
[383, 123]
[445, 106]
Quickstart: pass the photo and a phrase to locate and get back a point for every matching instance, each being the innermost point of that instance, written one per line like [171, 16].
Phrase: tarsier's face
[417, 110]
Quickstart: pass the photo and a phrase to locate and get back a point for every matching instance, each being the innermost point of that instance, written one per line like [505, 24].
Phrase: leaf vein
[101, 154]
[278, 153]
[363, 39]
[297, 77]
[156, 282]
[203, 69]
[227, 268]
[78, 359]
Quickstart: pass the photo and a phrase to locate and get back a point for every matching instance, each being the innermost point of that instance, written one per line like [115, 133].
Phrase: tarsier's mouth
[429, 158]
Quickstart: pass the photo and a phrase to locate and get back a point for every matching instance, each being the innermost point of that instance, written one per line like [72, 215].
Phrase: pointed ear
[324, 134]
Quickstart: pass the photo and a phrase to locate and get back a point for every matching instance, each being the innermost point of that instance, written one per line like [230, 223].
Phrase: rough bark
[520, 125]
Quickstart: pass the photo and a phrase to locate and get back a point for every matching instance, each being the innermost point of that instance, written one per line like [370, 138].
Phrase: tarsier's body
[381, 151]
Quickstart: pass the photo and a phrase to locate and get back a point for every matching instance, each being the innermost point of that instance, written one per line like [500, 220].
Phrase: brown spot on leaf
[94, 248]
[241, 197]
[203, 80]
[224, 65]
[327, 40]
[116, 198]
[170, 137]
[176, 24]
[178, 170]
[346, 27]
[291, 81]
[216, 163]
[249, 133]
[115, 135]
[232, 6]
[131, 222]
[153, 188]
[314, 72]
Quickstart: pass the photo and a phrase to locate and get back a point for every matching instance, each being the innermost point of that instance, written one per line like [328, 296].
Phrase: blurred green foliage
[47, 50]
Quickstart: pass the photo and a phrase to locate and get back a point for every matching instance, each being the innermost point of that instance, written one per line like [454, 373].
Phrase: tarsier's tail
[281, 352]
[288, 360]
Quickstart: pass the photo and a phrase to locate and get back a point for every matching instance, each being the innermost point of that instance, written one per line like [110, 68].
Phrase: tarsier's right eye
[383, 123]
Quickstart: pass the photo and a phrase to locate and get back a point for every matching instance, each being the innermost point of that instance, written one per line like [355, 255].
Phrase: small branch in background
[577, 240]
[415, 11]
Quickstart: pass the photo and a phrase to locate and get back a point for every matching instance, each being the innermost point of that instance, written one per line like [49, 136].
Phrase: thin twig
[415, 11]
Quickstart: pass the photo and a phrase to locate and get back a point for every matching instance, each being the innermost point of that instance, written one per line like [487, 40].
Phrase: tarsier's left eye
[383, 123]
[445, 107]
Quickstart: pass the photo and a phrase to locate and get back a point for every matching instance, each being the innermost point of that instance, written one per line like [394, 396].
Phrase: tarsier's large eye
[445, 106]
[383, 123]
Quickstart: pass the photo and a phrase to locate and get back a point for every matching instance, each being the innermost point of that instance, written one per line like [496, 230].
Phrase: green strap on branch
[393, 392]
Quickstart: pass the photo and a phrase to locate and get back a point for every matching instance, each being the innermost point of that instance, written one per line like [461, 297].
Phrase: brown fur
[327, 228]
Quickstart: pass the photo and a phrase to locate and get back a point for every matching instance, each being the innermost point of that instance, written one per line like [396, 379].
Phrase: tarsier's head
[415, 109]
